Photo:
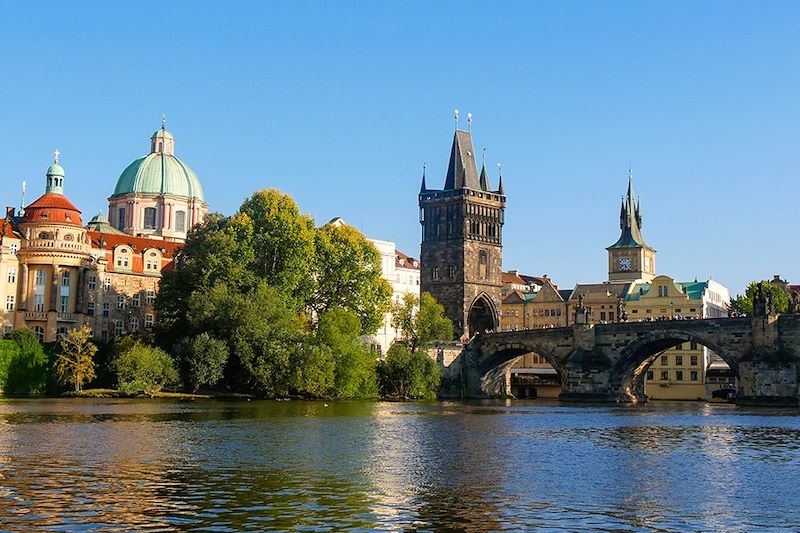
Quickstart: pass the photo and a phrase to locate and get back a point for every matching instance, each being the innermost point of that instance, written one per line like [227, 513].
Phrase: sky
[340, 103]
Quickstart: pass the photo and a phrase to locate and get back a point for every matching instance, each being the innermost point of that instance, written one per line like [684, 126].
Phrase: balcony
[68, 317]
[35, 315]
[50, 244]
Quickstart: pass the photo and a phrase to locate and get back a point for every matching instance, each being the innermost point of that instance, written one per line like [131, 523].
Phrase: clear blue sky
[339, 104]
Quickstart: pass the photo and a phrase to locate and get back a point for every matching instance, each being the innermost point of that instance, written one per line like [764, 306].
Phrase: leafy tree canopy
[144, 368]
[347, 275]
[74, 363]
[743, 304]
[406, 374]
[421, 321]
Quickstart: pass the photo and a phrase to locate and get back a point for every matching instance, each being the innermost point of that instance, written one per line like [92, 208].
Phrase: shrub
[144, 368]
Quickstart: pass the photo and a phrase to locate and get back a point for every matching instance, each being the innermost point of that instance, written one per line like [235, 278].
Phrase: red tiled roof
[510, 277]
[404, 261]
[794, 288]
[111, 241]
[53, 207]
[8, 229]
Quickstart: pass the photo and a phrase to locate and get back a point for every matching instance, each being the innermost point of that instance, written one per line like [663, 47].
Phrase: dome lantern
[55, 176]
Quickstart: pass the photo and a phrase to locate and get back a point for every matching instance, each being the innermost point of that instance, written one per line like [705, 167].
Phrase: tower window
[121, 218]
[483, 264]
[435, 273]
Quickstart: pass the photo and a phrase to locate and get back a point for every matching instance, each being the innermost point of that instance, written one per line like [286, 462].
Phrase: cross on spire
[56, 154]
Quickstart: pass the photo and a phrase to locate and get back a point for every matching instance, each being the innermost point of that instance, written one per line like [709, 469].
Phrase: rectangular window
[106, 284]
[92, 283]
[136, 300]
[151, 297]
[664, 375]
[603, 316]
[120, 302]
[693, 375]
[64, 304]
[122, 261]
[12, 275]
[678, 360]
[664, 360]
[119, 328]
[148, 320]
[649, 375]
[90, 308]
[150, 217]
[611, 316]
[694, 345]
[180, 221]
[679, 375]
[435, 273]
[14, 248]
[451, 271]
[7, 328]
[10, 303]
[693, 360]
[106, 310]
[679, 347]
[134, 324]
[104, 335]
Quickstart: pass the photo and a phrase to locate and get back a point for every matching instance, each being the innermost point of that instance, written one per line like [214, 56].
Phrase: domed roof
[55, 170]
[160, 172]
[161, 133]
[53, 208]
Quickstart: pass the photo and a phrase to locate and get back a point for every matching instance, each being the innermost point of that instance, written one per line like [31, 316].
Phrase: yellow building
[678, 373]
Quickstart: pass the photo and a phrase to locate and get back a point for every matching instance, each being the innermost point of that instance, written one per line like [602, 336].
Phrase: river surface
[229, 466]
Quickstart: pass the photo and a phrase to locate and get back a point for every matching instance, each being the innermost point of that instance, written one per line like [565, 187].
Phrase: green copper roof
[159, 174]
[630, 221]
[100, 223]
[55, 170]
[162, 133]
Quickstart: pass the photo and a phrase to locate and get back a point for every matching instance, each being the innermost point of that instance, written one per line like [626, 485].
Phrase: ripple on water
[227, 466]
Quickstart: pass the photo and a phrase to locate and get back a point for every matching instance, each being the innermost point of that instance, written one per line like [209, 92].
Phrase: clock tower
[630, 258]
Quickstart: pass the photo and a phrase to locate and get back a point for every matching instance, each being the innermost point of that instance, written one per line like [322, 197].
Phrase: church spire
[423, 188]
[630, 219]
[500, 179]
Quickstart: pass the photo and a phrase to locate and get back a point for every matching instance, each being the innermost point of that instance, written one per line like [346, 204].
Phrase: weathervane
[455, 115]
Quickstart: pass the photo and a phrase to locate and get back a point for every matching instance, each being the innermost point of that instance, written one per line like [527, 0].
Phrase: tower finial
[500, 180]
[455, 115]
[22, 200]
[423, 187]
[163, 122]
[483, 156]
[56, 154]
[469, 122]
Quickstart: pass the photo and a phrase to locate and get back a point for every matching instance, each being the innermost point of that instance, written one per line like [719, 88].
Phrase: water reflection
[118, 464]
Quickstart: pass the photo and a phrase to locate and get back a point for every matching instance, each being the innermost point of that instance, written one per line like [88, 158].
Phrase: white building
[402, 273]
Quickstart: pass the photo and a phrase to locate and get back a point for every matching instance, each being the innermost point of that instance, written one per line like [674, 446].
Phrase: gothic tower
[630, 258]
[462, 242]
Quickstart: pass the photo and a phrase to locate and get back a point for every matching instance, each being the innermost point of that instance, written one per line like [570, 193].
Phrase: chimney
[10, 211]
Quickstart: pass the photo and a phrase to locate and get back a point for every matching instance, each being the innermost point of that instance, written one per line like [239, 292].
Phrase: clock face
[625, 264]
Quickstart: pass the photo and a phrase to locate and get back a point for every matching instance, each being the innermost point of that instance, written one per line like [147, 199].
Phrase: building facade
[58, 274]
[462, 242]
[403, 274]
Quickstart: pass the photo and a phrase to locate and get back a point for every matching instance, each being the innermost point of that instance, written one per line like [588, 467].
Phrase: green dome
[55, 170]
[158, 174]
[161, 133]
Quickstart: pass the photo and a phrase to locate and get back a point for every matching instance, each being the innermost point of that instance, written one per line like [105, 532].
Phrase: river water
[224, 466]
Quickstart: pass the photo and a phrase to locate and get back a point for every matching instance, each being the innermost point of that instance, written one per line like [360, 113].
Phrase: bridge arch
[628, 372]
[497, 358]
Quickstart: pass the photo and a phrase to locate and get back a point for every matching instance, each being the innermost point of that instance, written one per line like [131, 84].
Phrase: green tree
[9, 351]
[743, 304]
[28, 371]
[74, 363]
[354, 371]
[405, 374]
[283, 240]
[421, 321]
[202, 360]
[347, 275]
[218, 251]
[262, 330]
[144, 368]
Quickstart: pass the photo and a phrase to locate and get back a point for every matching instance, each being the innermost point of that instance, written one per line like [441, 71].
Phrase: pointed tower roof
[462, 171]
[500, 179]
[630, 221]
[484, 178]
[423, 187]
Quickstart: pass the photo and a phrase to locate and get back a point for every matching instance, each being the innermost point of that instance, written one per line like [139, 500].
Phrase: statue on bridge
[622, 314]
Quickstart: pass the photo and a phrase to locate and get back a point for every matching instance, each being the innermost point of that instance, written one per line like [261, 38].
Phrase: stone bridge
[607, 362]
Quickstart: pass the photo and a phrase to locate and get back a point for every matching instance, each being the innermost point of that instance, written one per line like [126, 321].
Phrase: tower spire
[423, 188]
[455, 116]
[500, 182]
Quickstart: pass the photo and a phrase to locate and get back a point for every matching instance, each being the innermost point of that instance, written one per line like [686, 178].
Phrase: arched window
[60, 332]
[180, 220]
[39, 330]
[121, 218]
[150, 217]
[134, 324]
